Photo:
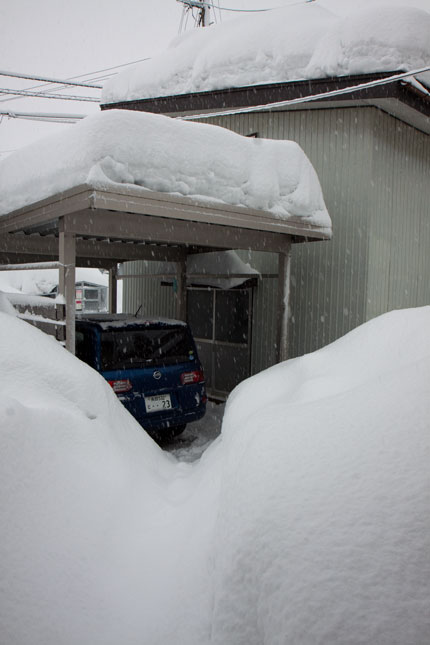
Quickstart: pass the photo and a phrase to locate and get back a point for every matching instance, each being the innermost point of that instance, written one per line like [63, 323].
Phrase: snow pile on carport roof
[299, 41]
[162, 154]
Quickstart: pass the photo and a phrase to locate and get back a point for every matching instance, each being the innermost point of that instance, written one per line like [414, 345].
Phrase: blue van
[152, 366]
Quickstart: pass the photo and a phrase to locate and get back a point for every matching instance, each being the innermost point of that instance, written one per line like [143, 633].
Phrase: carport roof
[127, 223]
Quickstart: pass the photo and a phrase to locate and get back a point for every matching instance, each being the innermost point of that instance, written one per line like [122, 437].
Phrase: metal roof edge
[254, 95]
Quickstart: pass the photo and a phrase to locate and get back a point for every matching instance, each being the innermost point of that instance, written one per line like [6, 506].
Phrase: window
[128, 348]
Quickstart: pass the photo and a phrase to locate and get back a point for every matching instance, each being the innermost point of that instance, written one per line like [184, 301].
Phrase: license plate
[157, 403]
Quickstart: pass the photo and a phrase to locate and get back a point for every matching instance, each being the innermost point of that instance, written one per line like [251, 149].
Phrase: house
[336, 86]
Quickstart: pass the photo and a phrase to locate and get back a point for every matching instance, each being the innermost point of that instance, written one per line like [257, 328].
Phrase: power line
[46, 95]
[307, 99]
[80, 76]
[43, 116]
[48, 80]
[197, 4]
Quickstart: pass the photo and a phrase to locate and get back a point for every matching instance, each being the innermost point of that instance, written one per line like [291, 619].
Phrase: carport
[89, 226]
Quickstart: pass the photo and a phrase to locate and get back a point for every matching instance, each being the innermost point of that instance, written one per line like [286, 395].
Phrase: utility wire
[48, 80]
[46, 95]
[306, 99]
[197, 4]
[80, 76]
[43, 116]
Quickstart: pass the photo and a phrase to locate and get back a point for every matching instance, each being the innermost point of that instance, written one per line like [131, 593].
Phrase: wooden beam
[160, 230]
[284, 262]
[47, 210]
[113, 281]
[116, 252]
[180, 289]
[29, 265]
[163, 205]
[67, 280]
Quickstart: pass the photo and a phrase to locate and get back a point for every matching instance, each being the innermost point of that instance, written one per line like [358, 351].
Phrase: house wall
[328, 279]
[399, 251]
[374, 171]
[156, 300]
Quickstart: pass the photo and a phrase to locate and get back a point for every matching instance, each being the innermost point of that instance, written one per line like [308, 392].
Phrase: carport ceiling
[128, 223]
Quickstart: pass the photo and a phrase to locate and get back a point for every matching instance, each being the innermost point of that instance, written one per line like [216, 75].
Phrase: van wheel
[177, 430]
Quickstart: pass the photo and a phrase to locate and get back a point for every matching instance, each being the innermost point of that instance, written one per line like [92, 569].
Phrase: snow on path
[307, 521]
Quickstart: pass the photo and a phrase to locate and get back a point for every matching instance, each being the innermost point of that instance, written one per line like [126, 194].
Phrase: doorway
[221, 322]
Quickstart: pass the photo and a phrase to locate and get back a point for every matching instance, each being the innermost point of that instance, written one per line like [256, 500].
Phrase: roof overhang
[128, 223]
[399, 98]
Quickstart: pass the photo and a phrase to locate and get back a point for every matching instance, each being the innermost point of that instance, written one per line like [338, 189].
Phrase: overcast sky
[62, 39]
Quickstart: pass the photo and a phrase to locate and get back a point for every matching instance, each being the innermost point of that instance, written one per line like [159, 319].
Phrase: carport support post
[284, 262]
[67, 279]
[181, 288]
[113, 280]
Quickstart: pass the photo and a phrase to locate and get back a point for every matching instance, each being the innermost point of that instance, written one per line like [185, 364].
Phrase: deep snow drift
[299, 41]
[308, 521]
[158, 153]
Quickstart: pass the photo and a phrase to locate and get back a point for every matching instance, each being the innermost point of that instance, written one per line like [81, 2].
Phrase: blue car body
[152, 365]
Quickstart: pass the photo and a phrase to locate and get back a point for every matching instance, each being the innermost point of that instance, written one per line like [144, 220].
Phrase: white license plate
[157, 403]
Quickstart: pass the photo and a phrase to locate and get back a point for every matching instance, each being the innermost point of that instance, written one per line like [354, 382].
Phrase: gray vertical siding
[156, 300]
[328, 279]
[399, 255]
[375, 175]
[265, 304]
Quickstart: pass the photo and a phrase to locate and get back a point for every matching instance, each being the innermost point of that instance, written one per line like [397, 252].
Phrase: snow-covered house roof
[156, 153]
[296, 42]
[300, 52]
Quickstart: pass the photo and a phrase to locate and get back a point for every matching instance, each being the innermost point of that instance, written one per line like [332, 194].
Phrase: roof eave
[128, 214]
[399, 98]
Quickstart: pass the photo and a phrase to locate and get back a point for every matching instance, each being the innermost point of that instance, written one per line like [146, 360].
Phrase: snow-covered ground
[198, 436]
[306, 521]
[302, 40]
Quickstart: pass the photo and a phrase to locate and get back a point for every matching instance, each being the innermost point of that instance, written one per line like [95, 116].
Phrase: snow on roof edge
[118, 148]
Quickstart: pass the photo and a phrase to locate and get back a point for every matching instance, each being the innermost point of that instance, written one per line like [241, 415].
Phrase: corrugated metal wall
[328, 278]
[399, 255]
[265, 304]
[155, 299]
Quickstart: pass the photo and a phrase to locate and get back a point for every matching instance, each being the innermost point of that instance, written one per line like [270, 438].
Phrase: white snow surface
[306, 521]
[206, 266]
[42, 281]
[300, 41]
[222, 262]
[162, 154]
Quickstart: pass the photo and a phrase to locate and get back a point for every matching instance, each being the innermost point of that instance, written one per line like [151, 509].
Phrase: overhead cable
[43, 116]
[32, 77]
[306, 99]
[197, 4]
[45, 95]
[101, 78]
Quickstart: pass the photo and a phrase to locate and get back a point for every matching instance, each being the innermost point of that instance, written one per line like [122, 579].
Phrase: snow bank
[162, 154]
[293, 42]
[308, 522]
[324, 525]
[91, 510]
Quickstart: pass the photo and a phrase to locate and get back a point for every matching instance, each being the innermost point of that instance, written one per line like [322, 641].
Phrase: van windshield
[130, 348]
